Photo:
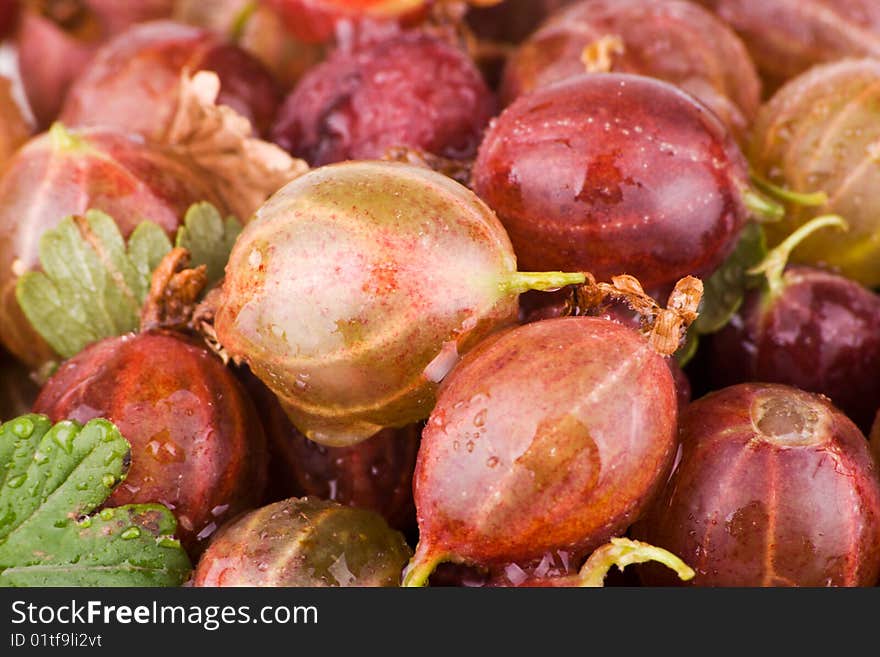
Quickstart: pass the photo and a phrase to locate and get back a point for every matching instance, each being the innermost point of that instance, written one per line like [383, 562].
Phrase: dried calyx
[665, 328]
[175, 291]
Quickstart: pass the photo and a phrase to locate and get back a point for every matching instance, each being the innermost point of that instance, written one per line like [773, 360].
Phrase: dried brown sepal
[458, 170]
[447, 20]
[174, 293]
[665, 328]
[220, 140]
[203, 322]
[598, 57]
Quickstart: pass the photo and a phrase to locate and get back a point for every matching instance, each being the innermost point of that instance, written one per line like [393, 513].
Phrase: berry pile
[440, 292]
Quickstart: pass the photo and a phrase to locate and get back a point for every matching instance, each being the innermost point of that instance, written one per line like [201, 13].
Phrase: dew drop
[167, 542]
[106, 514]
[23, 427]
[130, 533]
[17, 481]
[492, 461]
[108, 480]
[480, 418]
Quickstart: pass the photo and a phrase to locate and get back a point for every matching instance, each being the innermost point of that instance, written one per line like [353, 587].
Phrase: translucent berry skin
[773, 487]
[353, 289]
[788, 37]
[317, 21]
[133, 80]
[52, 55]
[614, 174]
[304, 542]
[375, 474]
[196, 439]
[819, 133]
[550, 437]
[425, 94]
[49, 179]
[820, 333]
[673, 40]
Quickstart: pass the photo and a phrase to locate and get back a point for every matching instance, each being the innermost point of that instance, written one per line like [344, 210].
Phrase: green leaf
[91, 286]
[208, 238]
[51, 478]
[723, 292]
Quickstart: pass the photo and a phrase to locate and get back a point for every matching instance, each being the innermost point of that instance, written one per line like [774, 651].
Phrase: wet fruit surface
[614, 174]
[773, 487]
[62, 173]
[197, 442]
[821, 333]
[355, 288]
[133, 81]
[425, 93]
[516, 463]
[787, 37]
[673, 40]
[820, 133]
[304, 542]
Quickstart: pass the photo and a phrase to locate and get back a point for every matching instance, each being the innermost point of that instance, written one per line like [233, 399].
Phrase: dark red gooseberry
[773, 487]
[614, 174]
[819, 332]
[304, 542]
[133, 81]
[673, 40]
[63, 173]
[197, 442]
[375, 474]
[788, 37]
[412, 90]
[57, 42]
[550, 437]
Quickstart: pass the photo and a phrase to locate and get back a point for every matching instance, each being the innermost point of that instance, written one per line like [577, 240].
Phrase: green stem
[546, 281]
[420, 568]
[622, 552]
[773, 266]
[805, 199]
[762, 208]
[239, 23]
[64, 140]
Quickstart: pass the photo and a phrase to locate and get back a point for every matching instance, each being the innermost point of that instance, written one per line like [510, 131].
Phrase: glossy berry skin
[375, 474]
[62, 173]
[550, 437]
[614, 174]
[774, 487]
[673, 40]
[412, 90]
[355, 287]
[819, 133]
[54, 49]
[788, 37]
[304, 542]
[319, 21]
[133, 81]
[196, 440]
[820, 333]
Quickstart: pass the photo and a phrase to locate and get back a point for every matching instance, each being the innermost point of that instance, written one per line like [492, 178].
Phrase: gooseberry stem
[239, 23]
[805, 199]
[773, 266]
[622, 552]
[761, 207]
[420, 568]
[546, 281]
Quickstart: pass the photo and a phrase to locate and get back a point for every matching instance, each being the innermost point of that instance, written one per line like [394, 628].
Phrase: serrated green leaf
[51, 478]
[91, 286]
[208, 238]
[723, 292]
